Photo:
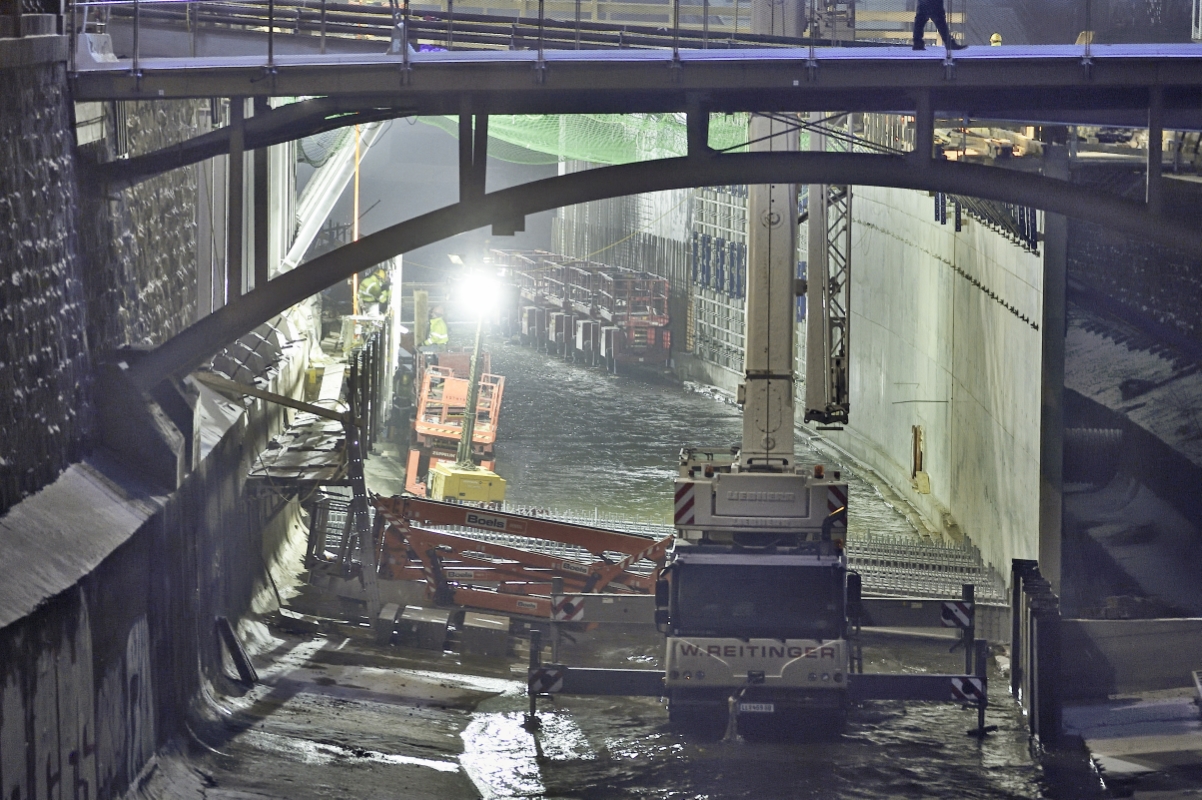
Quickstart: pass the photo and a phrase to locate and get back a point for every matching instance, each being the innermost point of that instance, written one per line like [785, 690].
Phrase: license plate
[757, 708]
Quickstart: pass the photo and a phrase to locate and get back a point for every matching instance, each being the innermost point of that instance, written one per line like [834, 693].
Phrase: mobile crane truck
[756, 595]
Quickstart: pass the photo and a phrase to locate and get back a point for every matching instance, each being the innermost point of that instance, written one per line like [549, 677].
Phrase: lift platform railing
[516, 575]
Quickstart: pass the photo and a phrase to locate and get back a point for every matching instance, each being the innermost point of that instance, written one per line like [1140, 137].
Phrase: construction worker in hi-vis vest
[374, 292]
[439, 334]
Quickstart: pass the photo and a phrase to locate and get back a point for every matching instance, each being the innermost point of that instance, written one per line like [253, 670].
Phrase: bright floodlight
[479, 292]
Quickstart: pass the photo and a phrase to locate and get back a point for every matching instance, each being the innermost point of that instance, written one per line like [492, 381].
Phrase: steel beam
[275, 126]
[1155, 188]
[190, 348]
[850, 79]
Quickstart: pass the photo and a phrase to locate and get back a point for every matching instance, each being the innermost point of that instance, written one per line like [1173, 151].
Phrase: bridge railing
[495, 24]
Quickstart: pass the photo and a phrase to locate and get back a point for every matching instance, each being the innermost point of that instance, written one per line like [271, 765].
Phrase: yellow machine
[455, 483]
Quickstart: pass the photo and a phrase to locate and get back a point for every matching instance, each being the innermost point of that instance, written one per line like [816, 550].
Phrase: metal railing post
[536, 647]
[270, 33]
[405, 37]
[137, 30]
[968, 594]
[541, 26]
[556, 599]
[72, 38]
[676, 30]
[323, 26]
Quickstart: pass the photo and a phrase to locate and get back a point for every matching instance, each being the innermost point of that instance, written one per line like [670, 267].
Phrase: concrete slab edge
[32, 50]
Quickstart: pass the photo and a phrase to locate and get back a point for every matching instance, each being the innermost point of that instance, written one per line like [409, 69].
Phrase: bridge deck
[977, 80]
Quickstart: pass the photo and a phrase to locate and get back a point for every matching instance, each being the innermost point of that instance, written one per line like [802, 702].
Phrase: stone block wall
[141, 242]
[82, 273]
[45, 408]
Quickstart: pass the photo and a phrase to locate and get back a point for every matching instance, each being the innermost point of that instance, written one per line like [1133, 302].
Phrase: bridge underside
[507, 209]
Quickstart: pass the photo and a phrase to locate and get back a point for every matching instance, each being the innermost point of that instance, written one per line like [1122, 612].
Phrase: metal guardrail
[408, 26]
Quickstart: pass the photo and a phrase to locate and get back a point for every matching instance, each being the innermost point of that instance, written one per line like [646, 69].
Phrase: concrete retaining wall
[108, 583]
[101, 673]
[1103, 657]
[938, 342]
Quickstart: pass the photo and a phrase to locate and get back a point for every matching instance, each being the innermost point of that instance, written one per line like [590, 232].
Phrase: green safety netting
[597, 138]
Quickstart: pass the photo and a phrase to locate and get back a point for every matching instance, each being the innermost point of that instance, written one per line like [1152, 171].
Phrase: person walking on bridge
[932, 10]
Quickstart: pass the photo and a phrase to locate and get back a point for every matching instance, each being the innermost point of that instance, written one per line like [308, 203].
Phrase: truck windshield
[778, 602]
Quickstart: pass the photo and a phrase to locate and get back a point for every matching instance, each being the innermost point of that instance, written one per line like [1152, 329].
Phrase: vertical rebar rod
[450, 24]
[577, 24]
[705, 25]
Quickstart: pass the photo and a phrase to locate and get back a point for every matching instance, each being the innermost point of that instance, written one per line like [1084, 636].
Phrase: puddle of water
[320, 753]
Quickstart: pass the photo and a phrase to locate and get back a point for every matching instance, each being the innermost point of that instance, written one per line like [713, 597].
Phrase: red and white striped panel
[836, 498]
[685, 496]
[568, 609]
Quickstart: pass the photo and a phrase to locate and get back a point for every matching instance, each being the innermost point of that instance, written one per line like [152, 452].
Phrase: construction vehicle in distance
[596, 314]
[443, 387]
[465, 481]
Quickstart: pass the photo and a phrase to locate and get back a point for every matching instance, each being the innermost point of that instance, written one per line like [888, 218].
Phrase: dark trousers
[930, 10]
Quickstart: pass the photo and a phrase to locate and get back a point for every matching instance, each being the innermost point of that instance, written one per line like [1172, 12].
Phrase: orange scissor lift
[438, 424]
[506, 562]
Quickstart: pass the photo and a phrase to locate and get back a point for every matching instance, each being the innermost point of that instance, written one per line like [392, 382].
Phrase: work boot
[919, 46]
[952, 44]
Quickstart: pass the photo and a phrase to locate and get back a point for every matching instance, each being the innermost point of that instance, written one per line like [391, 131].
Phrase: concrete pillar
[1051, 417]
[1155, 190]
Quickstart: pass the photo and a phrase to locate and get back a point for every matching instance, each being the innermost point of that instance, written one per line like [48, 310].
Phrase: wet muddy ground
[338, 717]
